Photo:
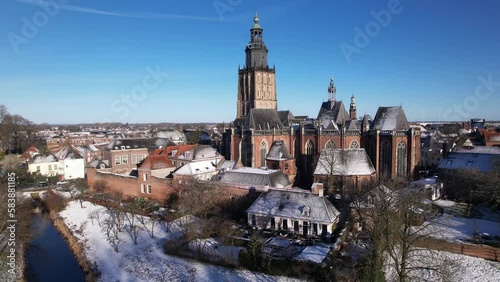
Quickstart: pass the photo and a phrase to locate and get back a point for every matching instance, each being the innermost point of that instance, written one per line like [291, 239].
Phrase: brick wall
[131, 186]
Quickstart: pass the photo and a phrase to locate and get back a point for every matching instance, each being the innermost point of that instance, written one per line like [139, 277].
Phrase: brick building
[393, 147]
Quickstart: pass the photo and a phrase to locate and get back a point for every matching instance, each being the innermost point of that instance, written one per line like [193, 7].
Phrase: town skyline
[181, 60]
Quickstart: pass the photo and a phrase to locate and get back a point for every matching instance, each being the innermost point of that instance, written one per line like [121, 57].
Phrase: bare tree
[10, 162]
[393, 220]
[112, 234]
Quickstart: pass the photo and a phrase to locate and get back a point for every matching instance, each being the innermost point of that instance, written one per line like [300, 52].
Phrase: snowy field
[455, 228]
[147, 260]
[451, 267]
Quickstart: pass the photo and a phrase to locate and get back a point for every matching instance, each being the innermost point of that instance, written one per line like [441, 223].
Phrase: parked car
[42, 184]
[62, 182]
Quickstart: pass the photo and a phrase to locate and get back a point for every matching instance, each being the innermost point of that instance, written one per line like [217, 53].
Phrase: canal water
[49, 257]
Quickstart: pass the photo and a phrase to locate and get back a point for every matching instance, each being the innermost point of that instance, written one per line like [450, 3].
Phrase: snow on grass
[444, 203]
[453, 227]
[454, 267]
[147, 260]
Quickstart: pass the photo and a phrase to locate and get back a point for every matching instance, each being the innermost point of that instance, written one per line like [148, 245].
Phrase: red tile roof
[156, 162]
[167, 151]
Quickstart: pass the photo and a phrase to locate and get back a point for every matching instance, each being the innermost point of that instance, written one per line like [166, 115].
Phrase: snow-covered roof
[390, 118]
[344, 162]
[315, 253]
[250, 176]
[68, 152]
[174, 135]
[198, 167]
[204, 152]
[38, 159]
[332, 113]
[480, 150]
[425, 182]
[294, 204]
[278, 152]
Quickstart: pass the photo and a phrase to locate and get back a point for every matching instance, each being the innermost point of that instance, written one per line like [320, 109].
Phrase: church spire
[256, 49]
[332, 90]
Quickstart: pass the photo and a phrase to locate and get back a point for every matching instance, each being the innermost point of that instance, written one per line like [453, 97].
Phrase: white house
[71, 163]
[46, 165]
[294, 210]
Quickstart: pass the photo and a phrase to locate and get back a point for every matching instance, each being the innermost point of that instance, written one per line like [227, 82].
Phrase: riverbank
[77, 247]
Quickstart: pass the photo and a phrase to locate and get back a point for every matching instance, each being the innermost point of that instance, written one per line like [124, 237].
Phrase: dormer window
[306, 211]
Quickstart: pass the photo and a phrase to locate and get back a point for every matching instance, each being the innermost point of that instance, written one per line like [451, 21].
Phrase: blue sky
[91, 61]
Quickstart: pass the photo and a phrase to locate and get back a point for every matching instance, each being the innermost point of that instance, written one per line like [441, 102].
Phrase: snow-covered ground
[147, 260]
[455, 228]
[450, 267]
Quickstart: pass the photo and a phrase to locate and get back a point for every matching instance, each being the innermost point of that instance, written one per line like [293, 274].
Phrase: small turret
[352, 109]
[332, 90]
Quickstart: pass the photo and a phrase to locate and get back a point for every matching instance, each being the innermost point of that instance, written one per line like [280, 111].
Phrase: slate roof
[345, 162]
[291, 203]
[466, 160]
[97, 163]
[353, 125]
[249, 176]
[332, 111]
[286, 117]
[136, 143]
[278, 152]
[263, 119]
[390, 118]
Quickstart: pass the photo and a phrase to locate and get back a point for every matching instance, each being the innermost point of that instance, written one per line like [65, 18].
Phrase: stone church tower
[256, 81]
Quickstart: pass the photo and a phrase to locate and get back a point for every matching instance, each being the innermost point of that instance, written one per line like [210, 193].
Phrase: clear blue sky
[78, 61]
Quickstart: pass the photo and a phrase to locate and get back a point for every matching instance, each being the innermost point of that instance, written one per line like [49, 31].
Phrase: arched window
[245, 153]
[401, 160]
[354, 145]
[263, 153]
[330, 144]
[385, 159]
[309, 155]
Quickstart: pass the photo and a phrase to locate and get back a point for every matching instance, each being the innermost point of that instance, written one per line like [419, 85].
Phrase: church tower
[256, 80]
[352, 108]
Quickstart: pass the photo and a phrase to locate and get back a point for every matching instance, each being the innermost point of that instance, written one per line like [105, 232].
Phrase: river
[49, 257]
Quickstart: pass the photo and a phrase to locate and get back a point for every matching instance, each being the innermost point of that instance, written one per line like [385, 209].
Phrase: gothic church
[262, 136]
